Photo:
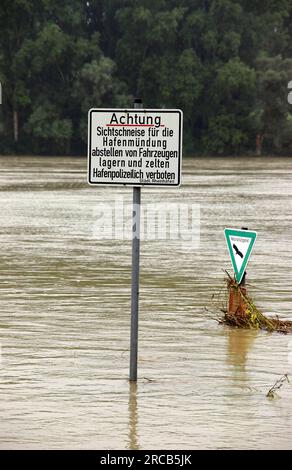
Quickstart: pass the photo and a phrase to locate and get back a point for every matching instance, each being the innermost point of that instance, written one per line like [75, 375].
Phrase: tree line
[225, 63]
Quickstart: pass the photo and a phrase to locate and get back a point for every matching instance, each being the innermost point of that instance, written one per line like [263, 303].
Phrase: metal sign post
[135, 147]
[135, 275]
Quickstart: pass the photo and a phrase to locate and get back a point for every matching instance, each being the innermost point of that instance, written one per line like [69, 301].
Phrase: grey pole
[135, 274]
[244, 276]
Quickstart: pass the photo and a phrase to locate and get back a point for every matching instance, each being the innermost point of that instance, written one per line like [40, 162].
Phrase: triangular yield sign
[240, 244]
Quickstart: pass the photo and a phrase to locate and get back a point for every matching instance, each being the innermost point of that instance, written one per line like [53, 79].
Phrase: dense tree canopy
[225, 63]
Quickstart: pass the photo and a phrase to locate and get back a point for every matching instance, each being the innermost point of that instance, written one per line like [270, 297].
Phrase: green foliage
[225, 63]
[96, 86]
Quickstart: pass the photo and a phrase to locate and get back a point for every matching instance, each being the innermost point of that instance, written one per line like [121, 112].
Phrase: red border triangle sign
[240, 244]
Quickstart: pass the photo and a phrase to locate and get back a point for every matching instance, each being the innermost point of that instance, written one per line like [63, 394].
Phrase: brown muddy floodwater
[65, 321]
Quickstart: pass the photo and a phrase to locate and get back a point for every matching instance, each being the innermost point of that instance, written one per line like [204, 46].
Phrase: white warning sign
[136, 147]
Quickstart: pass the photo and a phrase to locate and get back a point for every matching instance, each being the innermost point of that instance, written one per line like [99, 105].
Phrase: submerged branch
[247, 315]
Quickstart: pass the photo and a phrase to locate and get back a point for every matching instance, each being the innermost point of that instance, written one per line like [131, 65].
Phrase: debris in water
[277, 385]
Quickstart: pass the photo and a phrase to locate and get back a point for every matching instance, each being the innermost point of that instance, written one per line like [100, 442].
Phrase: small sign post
[135, 147]
[240, 244]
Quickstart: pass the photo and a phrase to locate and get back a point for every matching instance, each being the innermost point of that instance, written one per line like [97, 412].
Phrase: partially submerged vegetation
[247, 315]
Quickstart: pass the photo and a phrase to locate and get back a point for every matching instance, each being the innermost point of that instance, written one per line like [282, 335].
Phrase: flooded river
[65, 312]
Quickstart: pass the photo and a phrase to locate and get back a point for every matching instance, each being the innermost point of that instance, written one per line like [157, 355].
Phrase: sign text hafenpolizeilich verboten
[135, 147]
[240, 244]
